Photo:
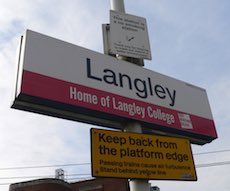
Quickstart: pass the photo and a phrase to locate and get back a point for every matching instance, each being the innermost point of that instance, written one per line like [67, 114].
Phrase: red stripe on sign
[53, 89]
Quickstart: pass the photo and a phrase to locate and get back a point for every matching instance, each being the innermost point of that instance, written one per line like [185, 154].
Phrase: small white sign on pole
[129, 36]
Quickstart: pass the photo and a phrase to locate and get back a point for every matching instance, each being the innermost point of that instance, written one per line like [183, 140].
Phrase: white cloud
[219, 94]
[28, 139]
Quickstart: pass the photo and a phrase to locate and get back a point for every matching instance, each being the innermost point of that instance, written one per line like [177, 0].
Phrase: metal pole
[136, 185]
[135, 127]
[117, 5]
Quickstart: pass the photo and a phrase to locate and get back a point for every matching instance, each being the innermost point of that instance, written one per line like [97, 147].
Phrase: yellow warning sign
[139, 156]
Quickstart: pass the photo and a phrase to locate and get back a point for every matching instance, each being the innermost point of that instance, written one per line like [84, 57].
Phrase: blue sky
[189, 41]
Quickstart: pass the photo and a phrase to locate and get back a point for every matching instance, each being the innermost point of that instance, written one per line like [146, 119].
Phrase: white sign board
[129, 36]
[61, 79]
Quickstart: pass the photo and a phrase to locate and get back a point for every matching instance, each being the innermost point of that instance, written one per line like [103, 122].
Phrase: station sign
[129, 36]
[131, 155]
[60, 79]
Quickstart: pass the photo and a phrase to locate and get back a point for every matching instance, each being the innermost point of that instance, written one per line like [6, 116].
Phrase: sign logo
[185, 121]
